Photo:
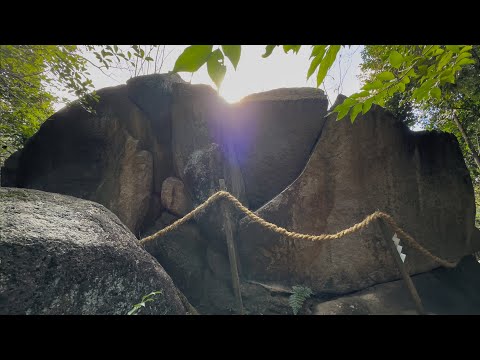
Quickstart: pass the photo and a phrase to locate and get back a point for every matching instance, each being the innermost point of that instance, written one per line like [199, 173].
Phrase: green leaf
[420, 93]
[148, 58]
[232, 52]
[466, 48]
[463, 56]
[360, 94]
[429, 50]
[318, 49]
[444, 60]
[268, 50]
[215, 67]
[466, 61]
[295, 48]
[349, 101]
[436, 93]
[298, 297]
[343, 108]
[405, 80]
[380, 98]
[412, 73]
[448, 76]
[343, 112]
[147, 298]
[315, 62]
[377, 84]
[132, 312]
[395, 59]
[453, 48]
[386, 76]
[192, 58]
[392, 90]
[367, 104]
[327, 62]
[356, 109]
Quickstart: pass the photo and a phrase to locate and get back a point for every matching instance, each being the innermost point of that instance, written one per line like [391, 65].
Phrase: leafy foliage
[192, 58]
[232, 52]
[147, 298]
[195, 56]
[297, 299]
[425, 67]
[452, 104]
[25, 101]
[29, 75]
[402, 77]
[216, 68]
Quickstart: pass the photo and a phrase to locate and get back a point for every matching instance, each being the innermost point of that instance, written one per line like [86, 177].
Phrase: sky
[256, 74]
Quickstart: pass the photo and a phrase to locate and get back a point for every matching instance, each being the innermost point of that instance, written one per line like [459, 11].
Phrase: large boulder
[158, 126]
[442, 292]
[203, 152]
[258, 146]
[274, 133]
[118, 156]
[203, 274]
[160, 144]
[200, 132]
[183, 255]
[377, 163]
[153, 95]
[63, 255]
[107, 157]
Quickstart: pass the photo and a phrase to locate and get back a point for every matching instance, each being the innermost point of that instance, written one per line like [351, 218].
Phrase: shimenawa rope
[294, 235]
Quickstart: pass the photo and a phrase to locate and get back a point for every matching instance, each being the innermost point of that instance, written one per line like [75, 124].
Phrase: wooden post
[401, 266]
[231, 251]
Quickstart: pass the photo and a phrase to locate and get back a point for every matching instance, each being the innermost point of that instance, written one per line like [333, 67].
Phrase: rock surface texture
[419, 178]
[63, 255]
[442, 292]
[274, 133]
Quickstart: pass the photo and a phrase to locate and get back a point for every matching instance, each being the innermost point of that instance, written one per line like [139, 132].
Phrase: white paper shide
[396, 240]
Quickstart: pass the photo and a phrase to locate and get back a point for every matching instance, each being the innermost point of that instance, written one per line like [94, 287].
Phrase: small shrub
[300, 294]
[147, 298]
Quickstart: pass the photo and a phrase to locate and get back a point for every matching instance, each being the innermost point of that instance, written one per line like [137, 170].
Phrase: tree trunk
[467, 140]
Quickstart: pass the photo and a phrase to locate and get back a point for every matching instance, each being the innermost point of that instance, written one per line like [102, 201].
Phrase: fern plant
[298, 297]
[147, 298]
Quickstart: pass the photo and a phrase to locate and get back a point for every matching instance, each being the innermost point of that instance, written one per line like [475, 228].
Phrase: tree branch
[466, 139]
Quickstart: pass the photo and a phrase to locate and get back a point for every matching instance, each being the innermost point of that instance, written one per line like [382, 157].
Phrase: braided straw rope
[294, 235]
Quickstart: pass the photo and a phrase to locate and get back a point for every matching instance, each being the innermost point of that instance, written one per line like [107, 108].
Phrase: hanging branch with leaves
[430, 66]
